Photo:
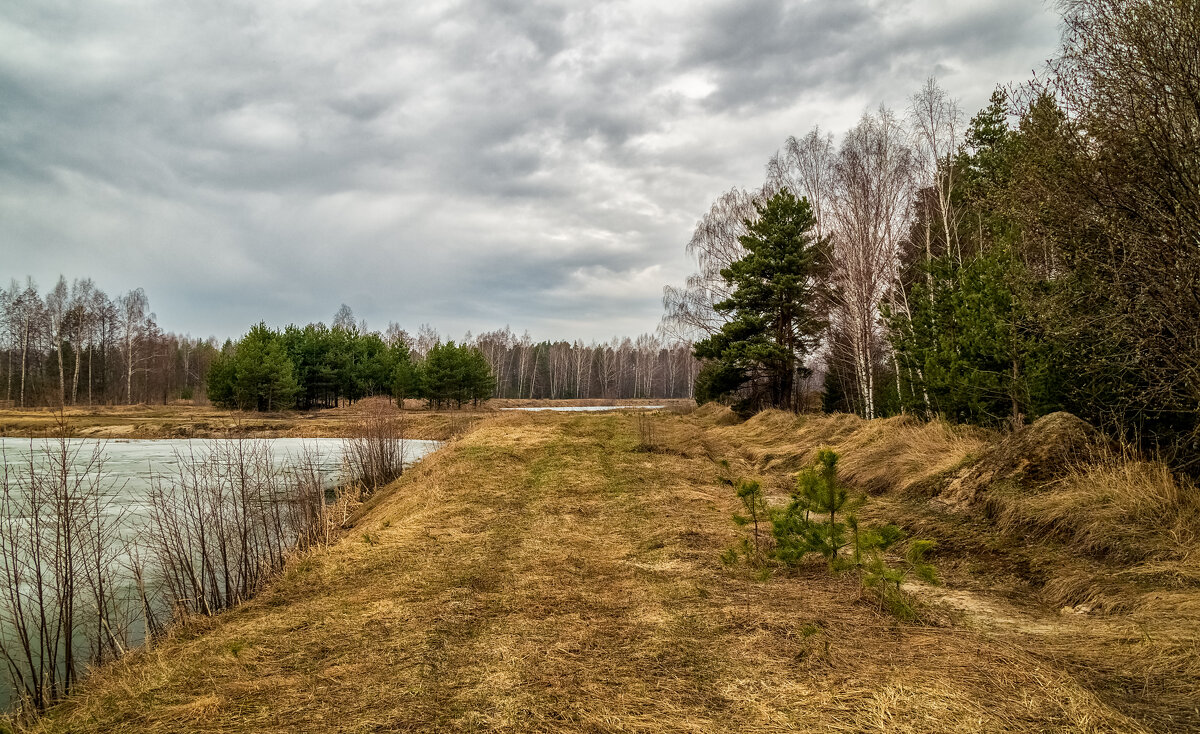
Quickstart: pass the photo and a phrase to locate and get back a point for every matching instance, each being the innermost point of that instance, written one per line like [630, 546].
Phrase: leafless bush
[227, 520]
[72, 584]
[646, 437]
[60, 551]
[376, 452]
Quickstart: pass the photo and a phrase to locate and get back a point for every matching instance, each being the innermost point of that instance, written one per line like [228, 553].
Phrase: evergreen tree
[809, 523]
[774, 312]
[973, 339]
[406, 378]
[263, 377]
[437, 375]
[374, 366]
[480, 383]
[971, 344]
[254, 374]
[455, 374]
[221, 376]
[311, 350]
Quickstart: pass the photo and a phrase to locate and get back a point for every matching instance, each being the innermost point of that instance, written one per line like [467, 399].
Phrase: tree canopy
[1044, 256]
[318, 366]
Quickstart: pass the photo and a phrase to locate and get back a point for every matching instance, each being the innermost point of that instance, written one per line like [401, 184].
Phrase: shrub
[376, 451]
[751, 495]
[821, 519]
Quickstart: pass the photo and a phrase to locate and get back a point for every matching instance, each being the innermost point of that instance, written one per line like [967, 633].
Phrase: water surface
[130, 467]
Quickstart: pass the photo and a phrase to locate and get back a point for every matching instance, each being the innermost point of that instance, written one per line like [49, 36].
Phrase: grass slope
[542, 574]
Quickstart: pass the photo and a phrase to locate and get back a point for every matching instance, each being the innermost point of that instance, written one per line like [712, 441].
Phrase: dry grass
[179, 420]
[543, 575]
[1139, 528]
[1097, 570]
[668, 403]
[900, 454]
[185, 421]
[1124, 509]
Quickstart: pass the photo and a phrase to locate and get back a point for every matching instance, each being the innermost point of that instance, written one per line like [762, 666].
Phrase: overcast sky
[466, 164]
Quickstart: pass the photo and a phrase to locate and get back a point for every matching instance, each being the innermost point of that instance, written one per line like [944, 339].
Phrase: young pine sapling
[750, 493]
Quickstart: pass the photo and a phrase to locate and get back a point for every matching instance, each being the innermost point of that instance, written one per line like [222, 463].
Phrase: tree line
[319, 366]
[75, 345]
[649, 366]
[1042, 255]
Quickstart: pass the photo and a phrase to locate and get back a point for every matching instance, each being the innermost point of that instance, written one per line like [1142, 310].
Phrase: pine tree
[219, 381]
[480, 383]
[406, 381]
[757, 513]
[455, 374]
[810, 523]
[263, 378]
[254, 374]
[775, 315]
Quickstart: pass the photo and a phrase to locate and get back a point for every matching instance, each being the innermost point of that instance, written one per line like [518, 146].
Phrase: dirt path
[543, 574]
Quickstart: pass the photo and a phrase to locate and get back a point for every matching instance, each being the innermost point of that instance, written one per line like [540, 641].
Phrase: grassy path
[542, 574]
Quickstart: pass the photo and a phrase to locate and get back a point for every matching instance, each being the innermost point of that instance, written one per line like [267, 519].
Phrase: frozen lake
[129, 471]
[129, 464]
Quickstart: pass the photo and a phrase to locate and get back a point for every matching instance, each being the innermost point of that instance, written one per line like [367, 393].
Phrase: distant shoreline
[194, 421]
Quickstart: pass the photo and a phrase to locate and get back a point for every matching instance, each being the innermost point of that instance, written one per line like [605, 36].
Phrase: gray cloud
[468, 164]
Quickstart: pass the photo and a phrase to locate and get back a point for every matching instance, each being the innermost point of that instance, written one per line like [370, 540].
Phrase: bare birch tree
[57, 313]
[82, 292]
[805, 166]
[714, 245]
[10, 320]
[936, 121]
[30, 318]
[102, 315]
[427, 339]
[344, 318]
[131, 312]
[873, 185]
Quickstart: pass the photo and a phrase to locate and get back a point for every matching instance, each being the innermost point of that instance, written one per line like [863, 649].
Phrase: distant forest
[75, 345]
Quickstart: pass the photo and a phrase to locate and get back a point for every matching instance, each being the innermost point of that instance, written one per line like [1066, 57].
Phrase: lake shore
[192, 421]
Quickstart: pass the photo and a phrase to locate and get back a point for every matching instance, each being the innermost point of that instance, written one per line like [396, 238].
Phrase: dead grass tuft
[1127, 510]
[1067, 549]
[891, 454]
[903, 454]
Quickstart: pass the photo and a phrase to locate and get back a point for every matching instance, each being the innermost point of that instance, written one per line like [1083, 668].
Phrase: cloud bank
[466, 164]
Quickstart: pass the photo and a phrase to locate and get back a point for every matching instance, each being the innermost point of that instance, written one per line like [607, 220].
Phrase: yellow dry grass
[899, 453]
[187, 421]
[182, 420]
[543, 574]
[1123, 508]
[1097, 570]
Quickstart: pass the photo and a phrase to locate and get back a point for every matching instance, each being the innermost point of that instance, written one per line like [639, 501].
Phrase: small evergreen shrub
[751, 494]
[821, 519]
